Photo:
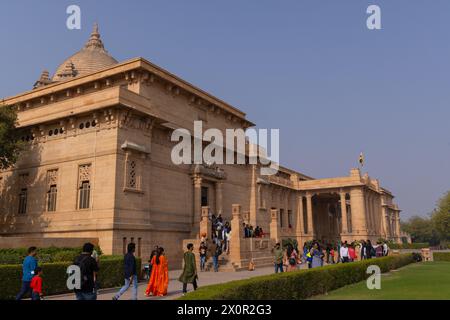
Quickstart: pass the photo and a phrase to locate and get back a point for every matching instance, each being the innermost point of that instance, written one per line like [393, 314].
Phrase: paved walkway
[175, 287]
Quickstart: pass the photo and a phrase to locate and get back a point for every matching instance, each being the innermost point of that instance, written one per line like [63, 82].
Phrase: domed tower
[93, 57]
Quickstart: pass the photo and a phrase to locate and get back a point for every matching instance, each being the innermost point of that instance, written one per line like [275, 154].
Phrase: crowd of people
[316, 255]
[249, 232]
[88, 262]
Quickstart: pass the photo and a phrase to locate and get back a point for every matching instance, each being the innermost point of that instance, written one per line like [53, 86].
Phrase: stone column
[397, 225]
[344, 220]
[219, 198]
[391, 224]
[376, 223]
[359, 223]
[274, 227]
[388, 224]
[309, 211]
[236, 233]
[369, 212]
[383, 222]
[372, 219]
[380, 216]
[205, 223]
[197, 201]
[299, 223]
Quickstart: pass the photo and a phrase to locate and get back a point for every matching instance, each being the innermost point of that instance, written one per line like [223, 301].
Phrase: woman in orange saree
[159, 279]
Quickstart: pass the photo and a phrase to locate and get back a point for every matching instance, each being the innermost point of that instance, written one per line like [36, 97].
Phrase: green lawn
[426, 280]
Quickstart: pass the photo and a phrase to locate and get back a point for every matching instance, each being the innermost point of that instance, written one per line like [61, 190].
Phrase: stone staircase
[242, 250]
[261, 257]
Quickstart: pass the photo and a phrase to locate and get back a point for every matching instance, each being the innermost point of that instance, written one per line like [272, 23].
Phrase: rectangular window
[84, 196]
[281, 217]
[290, 218]
[84, 186]
[204, 196]
[51, 198]
[23, 201]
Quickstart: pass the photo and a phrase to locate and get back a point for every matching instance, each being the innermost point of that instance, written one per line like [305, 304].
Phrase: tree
[420, 229]
[441, 218]
[10, 143]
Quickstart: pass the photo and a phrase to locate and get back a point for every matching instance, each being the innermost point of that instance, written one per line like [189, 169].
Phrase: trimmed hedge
[416, 245]
[55, 276]
[441, 256]
[44, 255]
[300, 284]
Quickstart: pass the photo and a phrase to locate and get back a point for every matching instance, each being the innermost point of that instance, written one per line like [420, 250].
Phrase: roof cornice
[123, 67]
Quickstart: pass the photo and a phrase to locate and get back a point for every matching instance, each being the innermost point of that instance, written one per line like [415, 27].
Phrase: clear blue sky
[310, 68]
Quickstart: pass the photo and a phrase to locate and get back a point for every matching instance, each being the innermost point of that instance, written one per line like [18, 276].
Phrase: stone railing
[281, 181]
[210, 171]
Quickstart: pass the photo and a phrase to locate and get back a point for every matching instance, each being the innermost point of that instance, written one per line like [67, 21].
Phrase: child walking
[36, 285]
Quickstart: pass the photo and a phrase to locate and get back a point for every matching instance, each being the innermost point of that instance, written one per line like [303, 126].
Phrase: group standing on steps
[316, 255]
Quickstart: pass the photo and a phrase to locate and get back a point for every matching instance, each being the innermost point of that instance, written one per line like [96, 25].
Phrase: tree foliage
[434, 229]
[10, 144]
[420, 229]
[441, 218]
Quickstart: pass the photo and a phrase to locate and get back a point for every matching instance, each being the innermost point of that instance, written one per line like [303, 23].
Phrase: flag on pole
[361, 159]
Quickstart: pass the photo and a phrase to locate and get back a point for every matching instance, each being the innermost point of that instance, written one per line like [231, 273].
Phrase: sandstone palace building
[97, 165]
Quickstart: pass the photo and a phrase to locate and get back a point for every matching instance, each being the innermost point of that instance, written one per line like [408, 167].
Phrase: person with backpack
[370, 251]
[89, 268]
[130, 273]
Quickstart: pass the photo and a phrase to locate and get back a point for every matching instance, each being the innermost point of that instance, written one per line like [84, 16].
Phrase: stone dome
[93, 57]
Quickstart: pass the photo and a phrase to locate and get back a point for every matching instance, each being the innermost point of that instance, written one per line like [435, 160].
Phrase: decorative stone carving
[132, 178]
[52, 178]
[43, 80]
[130, 121]
[84, 173]
[210, 171]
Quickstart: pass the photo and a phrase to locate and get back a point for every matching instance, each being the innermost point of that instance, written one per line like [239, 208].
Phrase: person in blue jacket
[29, 265]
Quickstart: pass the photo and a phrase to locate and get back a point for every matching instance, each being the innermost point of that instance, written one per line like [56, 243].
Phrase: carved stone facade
[103, 139]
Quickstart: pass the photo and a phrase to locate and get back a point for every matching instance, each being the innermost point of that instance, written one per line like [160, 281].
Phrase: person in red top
[36, 285]
[352, 253]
